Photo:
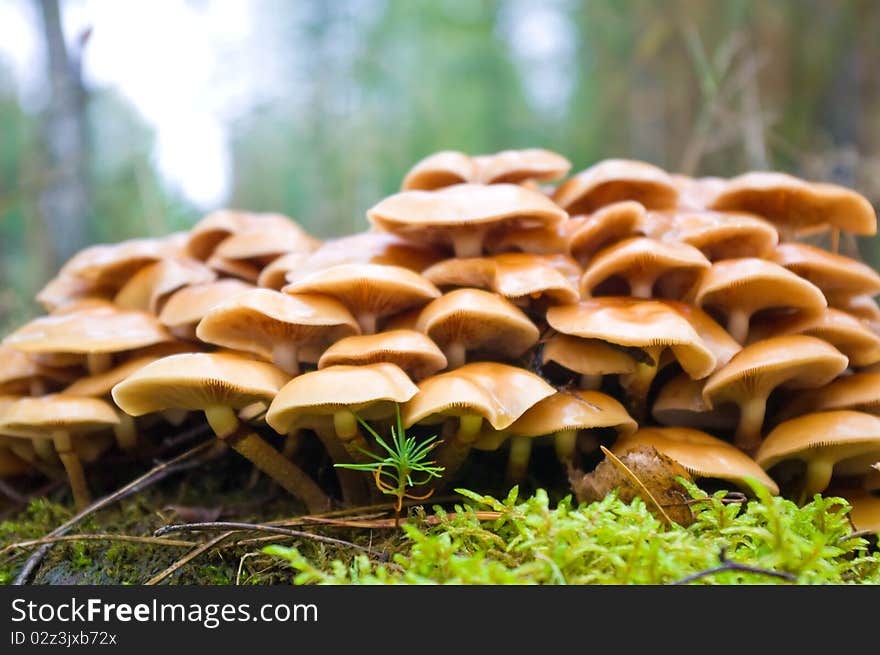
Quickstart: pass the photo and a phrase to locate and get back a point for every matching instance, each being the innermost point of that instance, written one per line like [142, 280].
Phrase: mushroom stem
[292, 442]
[518, 458]
[590, 382]
[751, 420]
[125, 432]
[292, 478]
[738, 325]
[468, 243]
[346, 425]
[456, 355]
[367, 322]
[44, 450]
[641, 286]
[455, 446]
[72, 464]
[818, 477]
[353, 486]
[99, 362]
[638, 383]
[286, 357]
[565, 444]
[222, 420]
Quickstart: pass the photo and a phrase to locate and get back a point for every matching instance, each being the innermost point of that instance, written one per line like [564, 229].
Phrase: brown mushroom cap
[266, 242]
[412, 351]
[718, 235]
[471, 319]
[680, 403]
[464, 214]
[645, 324]
[149, 288]
[791, 202]
[795, 362]
[742, 287]
[38, 417]
[21, 374]
[643, 262]
[859, 392]
[186, 307]
[613, 180]
[370, 391]
[716, 338]
[865, 512]
[604, 227]
[497, 392]
[830, 272]
[517, 166]
[110, 265]
[848, 334]
[64, 290]
[588, 356]
[703, 455]
[696, 193]
[573, 410]
[545, 240]
[277, 326]
[196, 381]
[827, 442]
[440, 169]
[210, 231]
[370, 291]
[274, 275]
[863, 307]
[512, 275]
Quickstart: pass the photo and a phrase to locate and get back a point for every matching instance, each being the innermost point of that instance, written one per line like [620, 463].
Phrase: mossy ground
[539, 538]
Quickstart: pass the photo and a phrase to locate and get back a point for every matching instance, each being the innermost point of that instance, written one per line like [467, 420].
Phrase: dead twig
[183, 561]
[728, 565]
[152, 476]
[97, 537]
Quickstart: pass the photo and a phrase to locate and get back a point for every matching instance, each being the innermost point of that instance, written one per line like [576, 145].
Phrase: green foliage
[610, 542]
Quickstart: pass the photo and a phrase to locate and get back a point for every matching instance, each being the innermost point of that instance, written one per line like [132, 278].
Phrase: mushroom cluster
[493, 306]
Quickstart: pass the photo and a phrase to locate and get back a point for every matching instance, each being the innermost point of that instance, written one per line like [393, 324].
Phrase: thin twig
[183, 561]
[728, 565]
[98, 537]
[152, 476]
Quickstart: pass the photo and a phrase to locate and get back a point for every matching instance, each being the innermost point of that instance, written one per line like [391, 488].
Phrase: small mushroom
[281, 328]
[370, 291]
[795, 362]
[149, 288]
[326, 402]
[680, 403]
[865, 512]
[832, 273]
[591, 358]
[863, 307]
[739, 288]
[565, 416]
[219, 384]
[60, 419]
[464, 215]
[274, 275]
[412, 351]
[715, 337]
[859, 392]
[696, 193]
[441, 169]
[470, 319]
[605, 227]
[613, 180]
[206, 235]
[481, 391]
[701, 454]
[718, 235]
[642, 264]
[260, 245]
[184, 309]
[827, 443]
[21, 374]
[520, 166]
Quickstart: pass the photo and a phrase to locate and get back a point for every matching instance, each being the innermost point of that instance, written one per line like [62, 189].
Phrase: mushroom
[646, 328]
[481, 391]
[696, 193]
[370, 291]
[260, 245]
[795, 362]
[718, 235]
[865, 512]
[644, 263]
[412, 351]
[520, 277]
[839, 441]
[715, 337]
[20, 374]
[149, 288]
[520, 166]
[541, 240]
[680, 403]
[274, 275]
[701, 454]
[219, 384]
[60, 419]
[184, 309]
[792, 203]
[464, 215]
[93, 334]
[604, 227]
[565, 416]
[471, 319]
[439, 170]
[591, 358]
[613, 180]
[278, 327]
[330, 400]
[739, 288]
[210, 231]
[832, 273]
[863, 307]
[859, 392]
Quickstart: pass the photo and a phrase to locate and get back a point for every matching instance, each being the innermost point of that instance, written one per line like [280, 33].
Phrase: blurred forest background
[125, 119]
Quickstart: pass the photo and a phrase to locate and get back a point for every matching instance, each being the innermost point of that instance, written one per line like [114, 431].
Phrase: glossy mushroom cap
[703, 455]
[833, 273]
[21, 374]
[184, 309]
[573, 410]
[715, 337]
[149, 288]
[613, 180]
[587, 356]
[604, 227]
[412, 351]
[470, 319]
[860, 392]
[370, 291]
[440, 169]
[497, 392]
[464, 215]
[643, 263]
[518, 166]
[264, 243]
[39, 417]
[196, 381]
[865, 513]
[210, 231]
[680, 403]
[718, 235]
[370, 391]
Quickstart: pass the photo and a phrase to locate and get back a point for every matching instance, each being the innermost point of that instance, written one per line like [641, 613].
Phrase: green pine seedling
[405, 466]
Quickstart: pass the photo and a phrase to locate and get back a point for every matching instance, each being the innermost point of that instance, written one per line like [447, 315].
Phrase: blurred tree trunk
[64, 200]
